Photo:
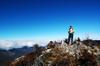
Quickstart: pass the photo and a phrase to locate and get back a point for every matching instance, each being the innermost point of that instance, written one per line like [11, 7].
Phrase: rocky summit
[62, 54]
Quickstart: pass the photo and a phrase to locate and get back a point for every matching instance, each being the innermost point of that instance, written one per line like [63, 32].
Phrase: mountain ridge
[62, 54]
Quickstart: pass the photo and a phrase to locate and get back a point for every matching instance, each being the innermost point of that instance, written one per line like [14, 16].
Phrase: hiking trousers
[70, 38]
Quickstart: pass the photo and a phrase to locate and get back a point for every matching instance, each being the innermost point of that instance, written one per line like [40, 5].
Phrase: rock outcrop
[62, 54]
[65, 55]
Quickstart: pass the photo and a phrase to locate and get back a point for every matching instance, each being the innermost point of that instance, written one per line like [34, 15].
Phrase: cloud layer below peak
[9, 44]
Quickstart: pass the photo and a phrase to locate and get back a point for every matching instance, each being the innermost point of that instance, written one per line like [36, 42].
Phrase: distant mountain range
[9, 55]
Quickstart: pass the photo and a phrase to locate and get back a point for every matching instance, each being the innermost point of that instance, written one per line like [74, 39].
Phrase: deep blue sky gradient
[48, 19]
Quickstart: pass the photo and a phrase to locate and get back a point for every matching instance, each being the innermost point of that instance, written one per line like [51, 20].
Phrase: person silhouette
[70, 35]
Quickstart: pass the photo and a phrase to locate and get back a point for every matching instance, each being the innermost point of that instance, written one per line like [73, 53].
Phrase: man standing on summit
[70, 36]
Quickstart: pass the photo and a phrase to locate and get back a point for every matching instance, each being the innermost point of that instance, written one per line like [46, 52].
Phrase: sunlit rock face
[65, 55]
[62, 54]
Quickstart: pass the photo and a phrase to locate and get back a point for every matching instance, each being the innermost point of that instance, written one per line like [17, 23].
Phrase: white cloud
[8, 44]
[84, 35]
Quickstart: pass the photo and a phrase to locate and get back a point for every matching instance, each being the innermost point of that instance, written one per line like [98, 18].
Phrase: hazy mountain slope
[10, 55]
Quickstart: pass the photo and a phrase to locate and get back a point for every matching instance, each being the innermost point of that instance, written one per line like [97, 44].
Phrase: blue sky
[48, 19]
